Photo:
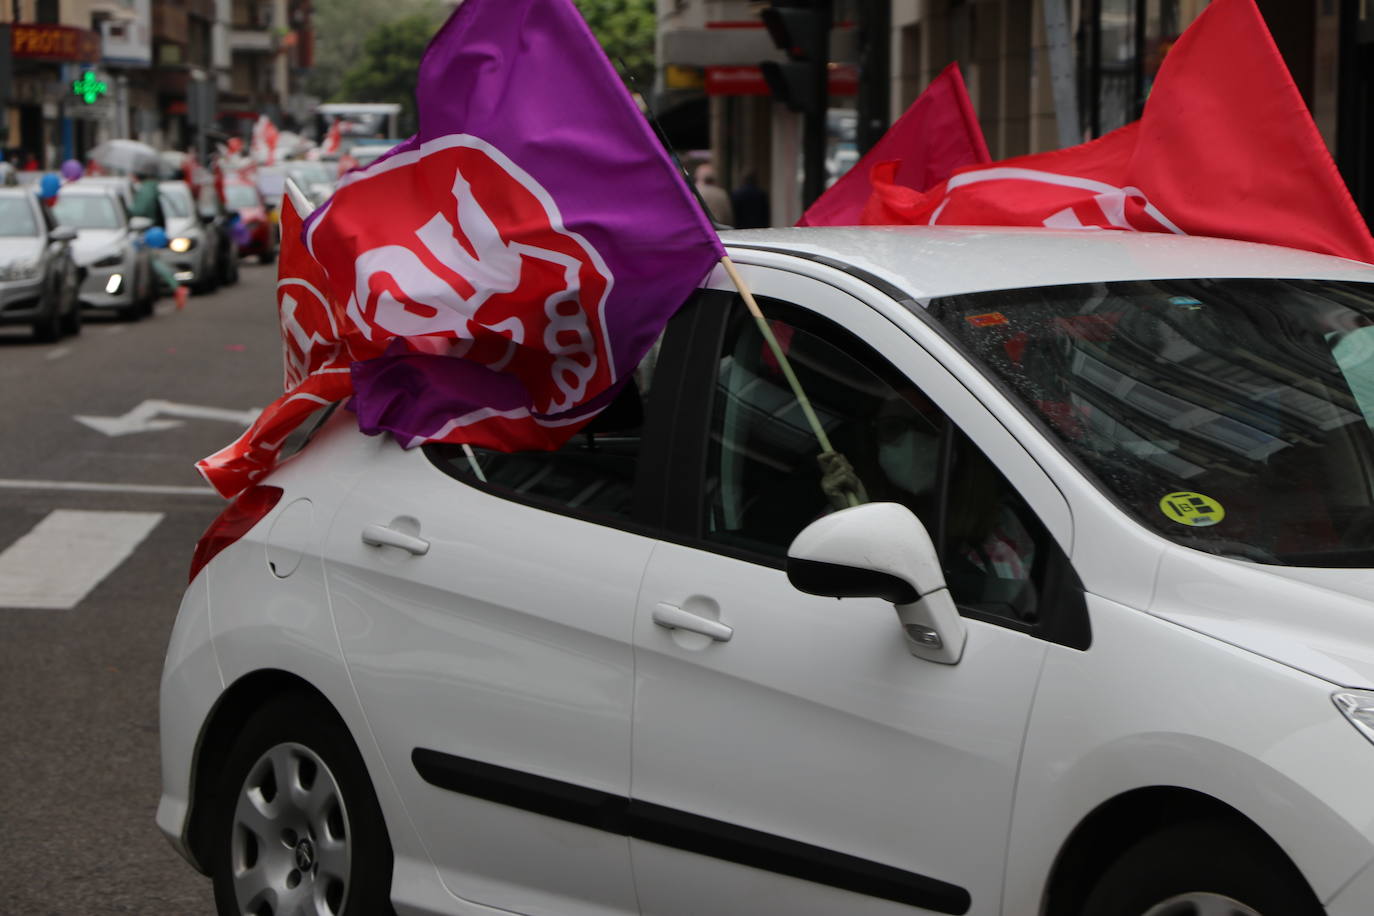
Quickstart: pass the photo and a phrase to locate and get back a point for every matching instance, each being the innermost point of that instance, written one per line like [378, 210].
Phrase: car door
[790, 755]
[484, 604]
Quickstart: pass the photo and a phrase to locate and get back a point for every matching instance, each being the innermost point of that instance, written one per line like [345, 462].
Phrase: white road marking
[67, 554]
[58, 352]
[143, 418]
[10, 483]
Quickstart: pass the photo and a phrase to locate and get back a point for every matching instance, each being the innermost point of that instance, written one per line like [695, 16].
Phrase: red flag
[316, 356]
[937, 134]
[333, 138]
[1225, 148]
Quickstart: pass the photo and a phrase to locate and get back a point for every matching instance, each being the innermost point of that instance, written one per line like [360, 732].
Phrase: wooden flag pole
[783, 362]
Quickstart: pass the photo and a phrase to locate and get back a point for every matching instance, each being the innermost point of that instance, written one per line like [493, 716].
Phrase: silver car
[119, 277]
[38, 277]
[193, 249]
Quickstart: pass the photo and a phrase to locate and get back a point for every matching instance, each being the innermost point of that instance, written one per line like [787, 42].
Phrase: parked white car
[1106, 645]
[118, 275]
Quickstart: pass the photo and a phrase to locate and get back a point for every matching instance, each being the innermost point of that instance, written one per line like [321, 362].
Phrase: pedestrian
[715, 197]
[750, 204]
[147, 199]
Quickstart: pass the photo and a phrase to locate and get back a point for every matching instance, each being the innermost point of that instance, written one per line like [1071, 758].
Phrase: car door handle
[382, 536]
[675, 618]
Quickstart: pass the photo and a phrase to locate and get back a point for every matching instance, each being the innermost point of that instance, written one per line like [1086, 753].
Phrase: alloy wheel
[290, 843]
[1201, 904]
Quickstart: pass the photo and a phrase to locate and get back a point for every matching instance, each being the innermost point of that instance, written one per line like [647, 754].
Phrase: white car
[194, 248]
[118, 276]
[1106, 645]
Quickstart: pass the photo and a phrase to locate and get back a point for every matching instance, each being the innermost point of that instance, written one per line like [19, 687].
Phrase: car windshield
[1233, 416]
[271, 182]
[16, 217]
[87, 211]
[240, 196]
[176, 201]
[305, 173]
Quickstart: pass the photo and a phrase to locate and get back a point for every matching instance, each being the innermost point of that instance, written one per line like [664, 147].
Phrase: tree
[342, 27]
[389, 65]
[625, 29]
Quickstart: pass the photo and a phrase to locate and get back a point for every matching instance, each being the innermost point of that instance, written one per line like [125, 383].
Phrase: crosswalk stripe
[67, 554]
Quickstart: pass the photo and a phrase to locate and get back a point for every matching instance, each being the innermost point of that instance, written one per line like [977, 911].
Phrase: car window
[240, 196]
[1233, 416]
[593, 474]
[16, 217]
[176, 202]
[764, 484]
[87, 211]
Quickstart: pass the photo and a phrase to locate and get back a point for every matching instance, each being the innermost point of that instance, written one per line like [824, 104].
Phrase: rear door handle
[675, 618]
[382, 536]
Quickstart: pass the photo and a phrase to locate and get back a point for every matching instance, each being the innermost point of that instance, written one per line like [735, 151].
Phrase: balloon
[49, 185]
[156, 237]
[72, 170]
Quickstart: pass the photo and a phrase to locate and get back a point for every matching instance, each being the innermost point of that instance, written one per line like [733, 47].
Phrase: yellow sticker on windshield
[1192, 509]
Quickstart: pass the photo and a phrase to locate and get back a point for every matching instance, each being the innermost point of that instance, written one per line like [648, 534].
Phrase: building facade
[83, 71]
[1042, 74]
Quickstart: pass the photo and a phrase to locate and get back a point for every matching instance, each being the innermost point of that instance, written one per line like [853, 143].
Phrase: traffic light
[801, 28]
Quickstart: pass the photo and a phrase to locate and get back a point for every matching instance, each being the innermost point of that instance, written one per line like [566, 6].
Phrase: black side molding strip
[690, 832]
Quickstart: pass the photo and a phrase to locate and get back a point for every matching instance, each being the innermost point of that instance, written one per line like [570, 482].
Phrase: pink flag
[1225, 148]
[936, 135]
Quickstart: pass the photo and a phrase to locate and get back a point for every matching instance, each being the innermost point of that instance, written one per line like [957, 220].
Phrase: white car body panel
[524, 639]
[509, 639]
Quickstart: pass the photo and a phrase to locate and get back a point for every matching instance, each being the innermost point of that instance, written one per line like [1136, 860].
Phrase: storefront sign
[844, 80]
[54, 42]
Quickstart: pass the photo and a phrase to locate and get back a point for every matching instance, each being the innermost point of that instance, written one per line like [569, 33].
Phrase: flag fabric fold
[497, 277]
[317, 363]
[1225, 147]
[936, 135]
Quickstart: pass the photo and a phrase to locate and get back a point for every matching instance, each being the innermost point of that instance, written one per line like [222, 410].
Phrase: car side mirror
[140, 224]
[62, 234]
[881, 550]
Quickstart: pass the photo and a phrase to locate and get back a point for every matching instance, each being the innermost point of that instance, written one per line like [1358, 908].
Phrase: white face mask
[911, 460]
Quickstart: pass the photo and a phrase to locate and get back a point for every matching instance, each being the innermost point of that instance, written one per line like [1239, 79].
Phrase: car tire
[48, 328]
[231, 269]
[268, 256]
[71, 322]
[1202, 867]
[268, 846]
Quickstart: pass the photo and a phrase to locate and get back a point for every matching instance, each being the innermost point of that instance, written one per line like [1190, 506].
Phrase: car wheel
[231, 269]
[268, 256]
[48, 328]
[1202, 868]
[297, 827]
[71, 322]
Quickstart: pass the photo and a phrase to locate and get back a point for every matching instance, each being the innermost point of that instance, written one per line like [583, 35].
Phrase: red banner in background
[54, 42]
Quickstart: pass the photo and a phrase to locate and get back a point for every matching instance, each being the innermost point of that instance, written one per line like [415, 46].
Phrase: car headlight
[1358, 707]
[181, 244]
[110, 260]
[19, 270]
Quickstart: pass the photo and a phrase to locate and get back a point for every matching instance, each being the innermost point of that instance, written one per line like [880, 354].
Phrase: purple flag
[501, 273]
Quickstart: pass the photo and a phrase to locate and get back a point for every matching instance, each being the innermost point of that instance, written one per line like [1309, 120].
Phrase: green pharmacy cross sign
[88, 88]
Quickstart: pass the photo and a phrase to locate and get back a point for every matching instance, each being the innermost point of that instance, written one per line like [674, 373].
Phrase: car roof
[926, 262]
[81, 186]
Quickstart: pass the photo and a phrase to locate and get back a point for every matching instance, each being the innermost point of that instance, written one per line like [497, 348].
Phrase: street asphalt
[79, 763]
